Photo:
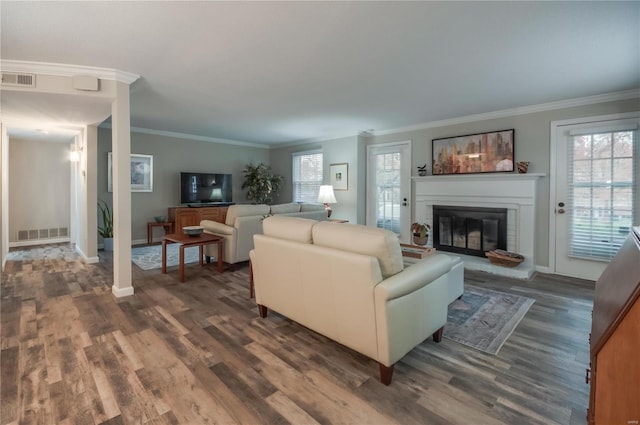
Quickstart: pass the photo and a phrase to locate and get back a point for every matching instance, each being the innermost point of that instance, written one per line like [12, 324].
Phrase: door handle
[404, 202]
[560, 211]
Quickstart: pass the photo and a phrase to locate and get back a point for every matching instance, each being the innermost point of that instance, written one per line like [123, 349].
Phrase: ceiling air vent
[19, 80]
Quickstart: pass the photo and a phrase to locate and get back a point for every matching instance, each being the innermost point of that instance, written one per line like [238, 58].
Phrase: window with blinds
[306, 175]
[601, 191]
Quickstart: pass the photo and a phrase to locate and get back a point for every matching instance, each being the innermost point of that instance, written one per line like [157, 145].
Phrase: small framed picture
[339, 176]
[141, 173]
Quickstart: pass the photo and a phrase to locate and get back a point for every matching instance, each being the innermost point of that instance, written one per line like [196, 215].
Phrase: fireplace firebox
[469, 230]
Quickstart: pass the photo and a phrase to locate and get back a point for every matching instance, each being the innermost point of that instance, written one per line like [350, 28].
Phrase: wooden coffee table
[186, 241]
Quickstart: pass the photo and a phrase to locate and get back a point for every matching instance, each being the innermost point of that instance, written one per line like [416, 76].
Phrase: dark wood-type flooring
[197, 353]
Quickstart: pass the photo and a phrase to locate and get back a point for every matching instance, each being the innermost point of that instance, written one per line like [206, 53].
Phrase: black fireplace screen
[469, 230]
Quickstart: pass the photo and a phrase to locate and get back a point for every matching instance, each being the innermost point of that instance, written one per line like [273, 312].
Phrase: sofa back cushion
[244, 210]
[311, 207]
[290, 228]
[380, 243]
[285, 208]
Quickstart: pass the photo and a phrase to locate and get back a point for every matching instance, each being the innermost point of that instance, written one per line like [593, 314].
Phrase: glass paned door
[388, 188]
[596, 193]
[601, 193]
[388, 196]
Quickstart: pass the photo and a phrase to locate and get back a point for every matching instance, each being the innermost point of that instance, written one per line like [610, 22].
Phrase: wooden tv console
[191, 216]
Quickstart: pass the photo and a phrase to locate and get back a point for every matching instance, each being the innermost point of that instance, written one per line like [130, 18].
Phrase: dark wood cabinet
[615, 340]
[187, 216]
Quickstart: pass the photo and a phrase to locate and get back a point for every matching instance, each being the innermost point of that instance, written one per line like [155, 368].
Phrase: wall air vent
[42, 234]
[18, 80]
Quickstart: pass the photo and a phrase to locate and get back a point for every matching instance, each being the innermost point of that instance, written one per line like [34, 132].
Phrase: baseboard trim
[543, 269]
[87, 260]
[38, 242]
[124, 292]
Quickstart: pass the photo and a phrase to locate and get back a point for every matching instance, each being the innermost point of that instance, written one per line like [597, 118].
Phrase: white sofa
[245, 220]
[348, 283]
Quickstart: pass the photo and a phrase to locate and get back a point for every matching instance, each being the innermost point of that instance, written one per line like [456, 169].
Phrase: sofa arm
[216, 227]
[413, 277]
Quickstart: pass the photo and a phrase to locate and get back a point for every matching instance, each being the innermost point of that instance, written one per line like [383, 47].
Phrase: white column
[121, 147]
[4, 194]
[87, 197]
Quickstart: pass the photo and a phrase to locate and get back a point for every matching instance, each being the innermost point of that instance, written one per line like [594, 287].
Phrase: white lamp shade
[326, 195]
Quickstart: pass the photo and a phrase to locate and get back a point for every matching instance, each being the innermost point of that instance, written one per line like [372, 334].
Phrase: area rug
[484, 319]
[150, 257]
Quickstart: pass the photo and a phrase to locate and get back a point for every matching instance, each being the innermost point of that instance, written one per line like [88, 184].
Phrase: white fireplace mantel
[514, 192]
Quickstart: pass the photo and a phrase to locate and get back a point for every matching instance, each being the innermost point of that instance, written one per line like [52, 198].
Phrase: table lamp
[326, 196]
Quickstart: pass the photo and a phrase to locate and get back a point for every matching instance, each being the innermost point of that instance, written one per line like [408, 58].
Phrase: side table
[167, 225]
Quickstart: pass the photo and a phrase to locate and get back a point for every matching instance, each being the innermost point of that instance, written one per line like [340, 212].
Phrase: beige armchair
[348, 283]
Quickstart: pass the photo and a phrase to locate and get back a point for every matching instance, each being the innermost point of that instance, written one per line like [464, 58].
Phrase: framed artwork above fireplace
[474, 153]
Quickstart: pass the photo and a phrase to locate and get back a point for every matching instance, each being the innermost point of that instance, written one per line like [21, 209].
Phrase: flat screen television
[205, 188]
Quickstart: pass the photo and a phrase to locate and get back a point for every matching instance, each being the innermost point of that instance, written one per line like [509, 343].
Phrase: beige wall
[39, 185]
[350, 205]
[532, 143]
[171, 156]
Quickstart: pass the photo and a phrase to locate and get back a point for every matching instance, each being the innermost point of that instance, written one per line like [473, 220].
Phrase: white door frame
[553, 166]
[406, 185]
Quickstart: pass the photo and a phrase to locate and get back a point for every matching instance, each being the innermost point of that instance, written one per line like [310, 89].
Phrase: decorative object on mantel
[474, 153]
[523, 167]
[415, 251]
[422, 171]
[504, 258]
[420, 232]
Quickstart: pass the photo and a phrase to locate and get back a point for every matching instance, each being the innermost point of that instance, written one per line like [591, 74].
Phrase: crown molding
[187, 136]
[561, 104]
[65, 70]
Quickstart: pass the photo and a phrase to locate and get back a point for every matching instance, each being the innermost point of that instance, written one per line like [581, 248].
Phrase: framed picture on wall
[339, 176]
[141, 173]
[474, 153]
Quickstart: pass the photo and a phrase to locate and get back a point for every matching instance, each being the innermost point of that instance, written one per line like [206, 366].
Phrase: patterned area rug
[150, 257]
[484, 319]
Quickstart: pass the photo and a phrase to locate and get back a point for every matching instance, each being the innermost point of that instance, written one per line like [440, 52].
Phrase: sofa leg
[386, 373]
[262, 310]
[437, 335]
[251, 293]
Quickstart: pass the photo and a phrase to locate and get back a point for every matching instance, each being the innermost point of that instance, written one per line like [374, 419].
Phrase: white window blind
[306, 175]
[603, 169]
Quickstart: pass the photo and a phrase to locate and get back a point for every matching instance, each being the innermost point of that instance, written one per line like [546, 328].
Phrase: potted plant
[262, 183]
[420, 233]
[106, 230]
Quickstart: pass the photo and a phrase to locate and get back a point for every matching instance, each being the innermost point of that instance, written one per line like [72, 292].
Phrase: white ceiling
[276, 72]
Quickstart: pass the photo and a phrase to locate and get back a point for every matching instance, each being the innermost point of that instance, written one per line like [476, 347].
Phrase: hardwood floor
[197, 353]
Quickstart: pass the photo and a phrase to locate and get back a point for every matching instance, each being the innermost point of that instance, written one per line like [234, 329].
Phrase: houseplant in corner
[262, 183]
[106, 230]
[420, 233]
